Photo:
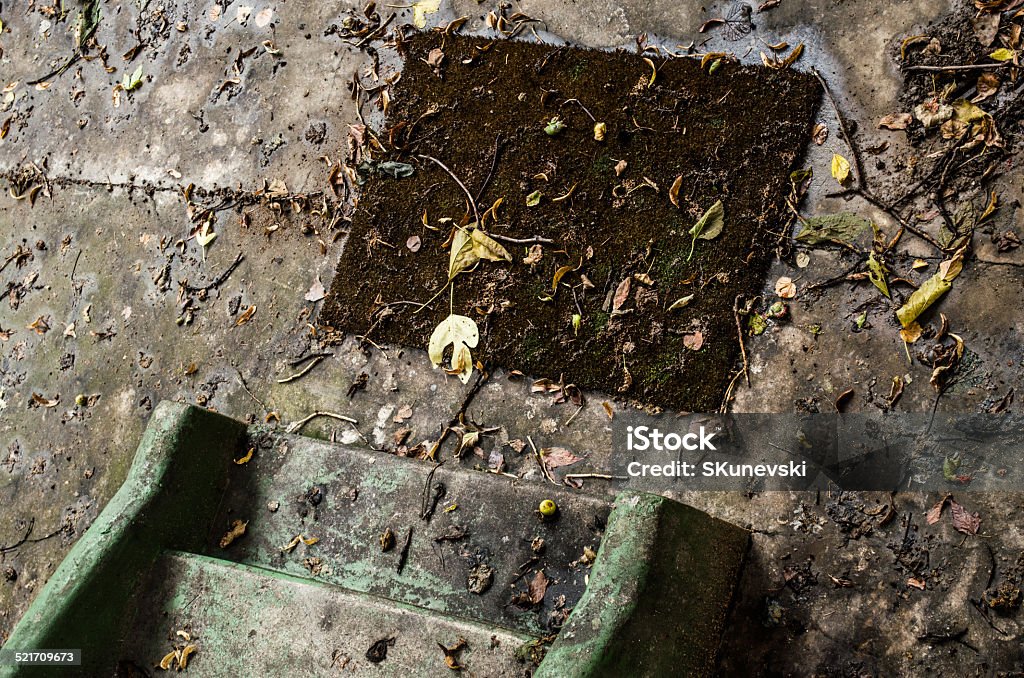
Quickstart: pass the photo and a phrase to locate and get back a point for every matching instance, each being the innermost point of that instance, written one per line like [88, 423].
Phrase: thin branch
[295, 426]
[960, 67]
[472, 202]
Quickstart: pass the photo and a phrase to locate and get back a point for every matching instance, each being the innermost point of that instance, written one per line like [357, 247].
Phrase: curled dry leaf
[533, 255]
[785, 287]
[987, 85]
[621, 295]
[843, 399]
[896, 121]
[538, 587]
[911, 332]
[236, 531]
[556, 457]
[931, 290]
[316, 291]
[673, 192]
[620, 167]
[820, 133]
[246, 316]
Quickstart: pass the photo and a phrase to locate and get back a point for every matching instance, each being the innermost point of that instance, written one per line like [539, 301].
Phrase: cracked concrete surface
[105, 269]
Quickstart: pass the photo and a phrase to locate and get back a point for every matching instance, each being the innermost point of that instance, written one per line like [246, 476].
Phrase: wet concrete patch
[611, 232]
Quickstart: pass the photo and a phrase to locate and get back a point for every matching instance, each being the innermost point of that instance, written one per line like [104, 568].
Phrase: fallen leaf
[1002, 54]
[840, 168]
[487, 247]
[931, 113]
[559, 274]
[964, 521]
[608, 409]
[931, 290]
[247, 457]
[620, 167]
[413, 243]
[986, 26]
[842, 227]
[186, 652]
[693, 340]
[911, 333]
[803, 259]
[533, 199]
[538, 587]
[236, 531]
[316, 291]
[876, 274]
[896, 121]
[246, 316]
[820, 133]
[916, 582]
[843, 399]
[462, 334]
[682, 302]
[38, 399]
[556, 457]
[621, 294]
[533, 255]
[895, 391]
[785, 287]
[987, 85]
[673, 192]
[709, 226]
[421, 9]
[600, 130]
[40, 325]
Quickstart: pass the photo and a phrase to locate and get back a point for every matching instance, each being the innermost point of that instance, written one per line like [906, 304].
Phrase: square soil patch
[733, 134]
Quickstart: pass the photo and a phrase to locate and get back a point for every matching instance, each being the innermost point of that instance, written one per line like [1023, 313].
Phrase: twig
[540, 460]
[494, 164]
[739, 335]
[861, 179]
[523, 241]
[370, 36]
[220, 279]
[299, 375]
[295, 362]
[297, 425]
[251, 394]
[405, 551]
[24, 538]
[597, 476]
[959, 67]
[472, 202]
[574, 415]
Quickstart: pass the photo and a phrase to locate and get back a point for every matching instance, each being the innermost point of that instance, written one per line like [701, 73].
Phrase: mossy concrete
[658, 596]
[177, 476]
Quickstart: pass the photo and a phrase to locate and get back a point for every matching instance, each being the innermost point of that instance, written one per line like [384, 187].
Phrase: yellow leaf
[840, 168]
[421, 9]
[247, 457]
[462, 334]
[462, 255]
[1002, 54]
[559, 274]
[486, 247]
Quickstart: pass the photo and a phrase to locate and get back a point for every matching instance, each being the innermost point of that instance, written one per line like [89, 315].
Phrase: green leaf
[554, 126]
[130, 82]
[533, 199]
[462, 334]
[950, 465]
[843, 227]
[709, 227]
[757, 324]
[876, 274]
[576, 320]
[396, 170]
[931, 290]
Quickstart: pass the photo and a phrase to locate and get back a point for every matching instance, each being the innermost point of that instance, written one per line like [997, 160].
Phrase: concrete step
[247, 621]
[462, 523]
[653, 600]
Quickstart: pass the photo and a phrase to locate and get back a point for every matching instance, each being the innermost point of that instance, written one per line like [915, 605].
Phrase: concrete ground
[103, 301]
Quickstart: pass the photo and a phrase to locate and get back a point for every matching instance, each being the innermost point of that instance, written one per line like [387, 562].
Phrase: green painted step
[654, 601]
[248, 621]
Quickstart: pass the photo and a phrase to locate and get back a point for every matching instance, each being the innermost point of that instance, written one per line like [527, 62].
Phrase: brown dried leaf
[673, 192]
[236, 531]
[820, 133]
[538, 587]
[964, 521]
[556, 457]
[621, 295]
[785, 287]
[896, 121]
[693, 341]
[246, 316]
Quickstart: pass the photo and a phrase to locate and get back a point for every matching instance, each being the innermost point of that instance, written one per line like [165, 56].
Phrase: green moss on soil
[733, 135]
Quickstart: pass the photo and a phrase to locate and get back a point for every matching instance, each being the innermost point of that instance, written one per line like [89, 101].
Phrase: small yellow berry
[547, 508]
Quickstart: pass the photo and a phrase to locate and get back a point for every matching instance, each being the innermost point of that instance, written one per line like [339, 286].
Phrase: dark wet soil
[733, 135]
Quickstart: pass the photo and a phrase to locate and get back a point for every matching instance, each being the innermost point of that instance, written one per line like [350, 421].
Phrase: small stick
[543, 468]
[296, 425]
[598, 476]
[842, 128]
[962, 67]
[251, 394]
[472, 202]
[313, 363]
[523, 241]
[739, 335]
[220, 279]
[494, 164]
